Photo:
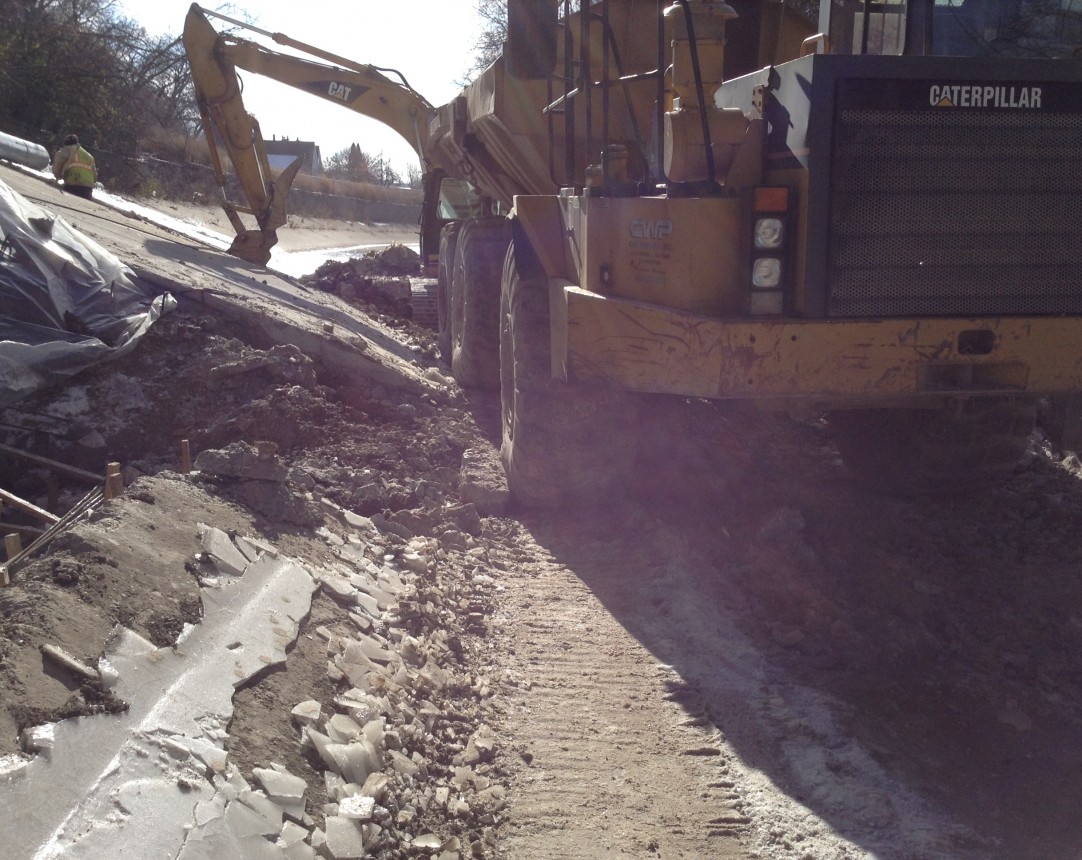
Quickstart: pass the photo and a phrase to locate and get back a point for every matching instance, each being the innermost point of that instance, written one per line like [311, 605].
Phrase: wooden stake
[13, 545]
[5, 578]
[114, 481]
[185, 457]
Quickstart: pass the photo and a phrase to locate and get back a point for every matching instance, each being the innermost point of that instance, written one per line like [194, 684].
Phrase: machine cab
[1035, 29]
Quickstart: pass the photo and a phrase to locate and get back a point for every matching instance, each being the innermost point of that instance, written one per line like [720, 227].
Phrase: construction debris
[68, 303]
[403, 744]
[378, 282]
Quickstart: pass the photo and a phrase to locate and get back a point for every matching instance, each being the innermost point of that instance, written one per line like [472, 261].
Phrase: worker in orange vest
[76, 167]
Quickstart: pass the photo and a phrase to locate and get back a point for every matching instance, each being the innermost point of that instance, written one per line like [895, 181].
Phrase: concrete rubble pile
[379, 281]
[393, 708]
[406, 755]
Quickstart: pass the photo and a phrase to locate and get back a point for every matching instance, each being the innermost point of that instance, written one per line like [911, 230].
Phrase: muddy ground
[749, 656]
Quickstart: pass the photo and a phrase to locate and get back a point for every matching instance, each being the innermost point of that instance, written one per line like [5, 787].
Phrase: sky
[429, 41]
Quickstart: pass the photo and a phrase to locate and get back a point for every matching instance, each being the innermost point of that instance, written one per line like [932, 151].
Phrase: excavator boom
[214, 59]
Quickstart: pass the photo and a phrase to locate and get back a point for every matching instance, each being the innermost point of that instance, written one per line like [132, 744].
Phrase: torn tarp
[65, 302]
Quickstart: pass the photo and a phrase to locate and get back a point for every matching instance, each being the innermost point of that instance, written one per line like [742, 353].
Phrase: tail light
[769, 251]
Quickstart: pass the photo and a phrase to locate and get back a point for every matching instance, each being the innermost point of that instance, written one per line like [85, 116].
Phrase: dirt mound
[378, 282]
[282, 449]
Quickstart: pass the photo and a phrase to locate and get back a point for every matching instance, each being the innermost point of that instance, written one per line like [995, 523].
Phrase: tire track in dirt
[618, 639]
[607, 762]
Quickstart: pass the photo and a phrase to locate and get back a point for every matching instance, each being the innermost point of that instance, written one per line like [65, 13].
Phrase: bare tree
[75, 65]
[356, 165]
[351, 163]
[489, 44]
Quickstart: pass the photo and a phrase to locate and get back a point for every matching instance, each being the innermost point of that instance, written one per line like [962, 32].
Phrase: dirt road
[751, 657]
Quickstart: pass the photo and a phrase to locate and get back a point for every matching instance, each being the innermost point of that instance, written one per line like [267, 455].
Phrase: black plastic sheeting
[66, 303]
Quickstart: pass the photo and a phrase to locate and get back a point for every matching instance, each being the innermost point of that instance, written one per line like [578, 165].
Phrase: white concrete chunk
[13, 766]
[355, 653]
[343, 729]
[301, 851]
[384, 598]
[403, 765]
[415, 562]
[334, 785]
[367, 603]
[330, 537]
[307, 713]
[220, 547]
[251, 548]
[338, 587]
[279, 785]
[352, 552]
[376, 785]
[358, 807]
[39, 739]
[356, 760]
[127, 643]
[374, 731]
[391, 579]
[373, 649]
[345, 839]
[291, 834]
[492, 799]
[363, 620]
[245, 821]
[358, 522]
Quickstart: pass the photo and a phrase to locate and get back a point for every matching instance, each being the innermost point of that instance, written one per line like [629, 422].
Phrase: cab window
[858, 27]
[458, 200]
[1050, 29]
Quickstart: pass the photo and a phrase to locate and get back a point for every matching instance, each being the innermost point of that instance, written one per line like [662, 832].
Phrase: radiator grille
[910, 235]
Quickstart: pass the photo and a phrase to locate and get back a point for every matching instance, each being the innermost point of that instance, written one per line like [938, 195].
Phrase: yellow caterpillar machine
[872, 216]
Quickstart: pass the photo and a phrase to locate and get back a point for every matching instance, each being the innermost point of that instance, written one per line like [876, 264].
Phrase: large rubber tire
[561, 444]
[475, 302]
[444, 273]
[935, 451]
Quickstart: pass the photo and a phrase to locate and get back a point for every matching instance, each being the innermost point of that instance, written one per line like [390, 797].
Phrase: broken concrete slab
[307, 713]
[222, 551]
[345, 838]
[280, 784]
[152, 762]
[240, 460]
[355, 348]
[259, 299]
[357, 808]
